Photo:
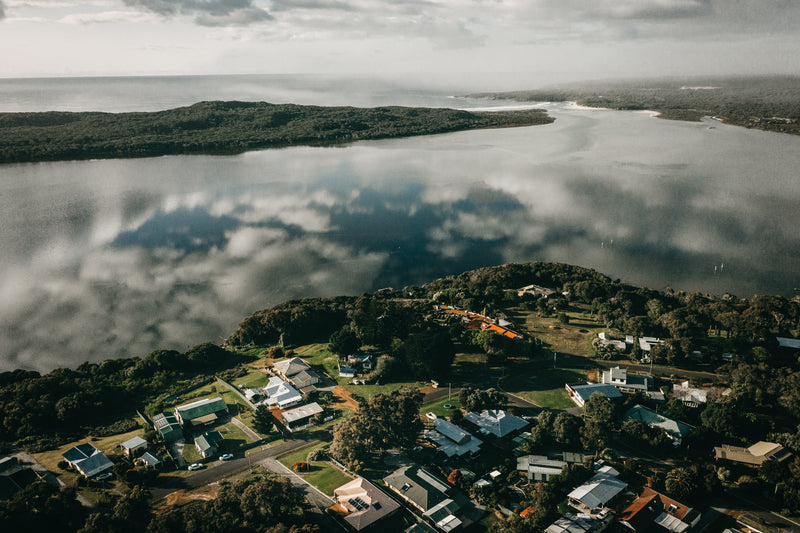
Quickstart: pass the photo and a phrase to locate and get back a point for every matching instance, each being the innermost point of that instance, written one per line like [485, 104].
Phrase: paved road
[221, 469]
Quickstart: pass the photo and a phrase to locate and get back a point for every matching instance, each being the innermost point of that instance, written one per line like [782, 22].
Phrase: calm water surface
[120, 257]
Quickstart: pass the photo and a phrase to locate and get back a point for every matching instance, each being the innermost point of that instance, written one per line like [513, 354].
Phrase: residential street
[217, 470]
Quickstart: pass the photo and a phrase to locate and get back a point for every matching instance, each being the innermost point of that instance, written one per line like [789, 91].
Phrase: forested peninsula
[768, 103]
[227, 128]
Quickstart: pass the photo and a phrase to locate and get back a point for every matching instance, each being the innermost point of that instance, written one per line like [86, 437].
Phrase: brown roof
[754, 455]
[642, 514]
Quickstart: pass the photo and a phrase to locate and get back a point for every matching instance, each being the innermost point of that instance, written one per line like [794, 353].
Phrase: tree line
[226, 128]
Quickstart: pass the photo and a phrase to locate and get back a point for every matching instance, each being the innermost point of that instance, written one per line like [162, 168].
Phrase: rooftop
[496, 422]
[364, 502]
[200, 408]
[299, 413]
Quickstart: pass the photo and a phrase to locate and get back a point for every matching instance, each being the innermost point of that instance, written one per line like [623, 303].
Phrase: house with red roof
[653, 511]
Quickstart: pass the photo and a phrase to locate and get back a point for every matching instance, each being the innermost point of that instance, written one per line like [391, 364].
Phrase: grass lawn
[234, 436]
[438, 407]
[190, 453]
[212, 390]
[543, 386]
[322, 475]
[255, 379]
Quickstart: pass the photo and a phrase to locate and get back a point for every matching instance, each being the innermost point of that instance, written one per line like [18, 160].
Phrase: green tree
[263, 420]
[344, 341]
[681, 484]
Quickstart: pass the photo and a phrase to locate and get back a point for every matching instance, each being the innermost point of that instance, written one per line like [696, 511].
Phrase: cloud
[207, 12]
[2, 10]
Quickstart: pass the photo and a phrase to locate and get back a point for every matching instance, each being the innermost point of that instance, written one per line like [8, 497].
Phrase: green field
[543, 386]
[438, 407]
[322, 475]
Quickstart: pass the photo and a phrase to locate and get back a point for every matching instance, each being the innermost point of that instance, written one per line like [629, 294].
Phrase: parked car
[196, 466]
[431, 415]
[107, 475]
[226, 457]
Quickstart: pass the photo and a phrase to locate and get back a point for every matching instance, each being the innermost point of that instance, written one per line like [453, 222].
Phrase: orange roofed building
[653, 511]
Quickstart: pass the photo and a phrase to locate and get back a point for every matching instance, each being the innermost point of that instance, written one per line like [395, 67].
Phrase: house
[543, 467]
[87, 460]
[362, 360]
[362, 504]
[674, 429]
[647, 343]
[280, 394]
[426, 493]
[496, 421]
[603, 339]
[298, 373]
[535, 290]
[451, 439]
[755, 455]
[602, 488]
[581, 392]
[625, 382]
[151, 460]
[300, 417]
[346, 371]
[208, 443]
[134, 447]
[201, 412]
[540, 467]
[653, 511]
[690, 396]
[14, 477]
[253, 395]
[168, 426]
[784, 342]
[583, 523]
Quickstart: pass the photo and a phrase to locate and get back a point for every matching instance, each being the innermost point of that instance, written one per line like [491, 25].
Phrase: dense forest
[226, 128]
[770, 103]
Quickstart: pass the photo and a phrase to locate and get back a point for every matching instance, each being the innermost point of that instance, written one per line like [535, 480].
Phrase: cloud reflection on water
[124, 257]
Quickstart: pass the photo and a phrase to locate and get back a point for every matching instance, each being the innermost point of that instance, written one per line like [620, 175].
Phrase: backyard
[321, 474]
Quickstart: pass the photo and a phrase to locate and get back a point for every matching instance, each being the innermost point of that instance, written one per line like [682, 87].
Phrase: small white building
[134, 447]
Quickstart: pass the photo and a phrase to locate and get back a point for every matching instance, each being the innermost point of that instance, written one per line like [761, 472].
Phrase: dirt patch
[343, 399]
[182, 497]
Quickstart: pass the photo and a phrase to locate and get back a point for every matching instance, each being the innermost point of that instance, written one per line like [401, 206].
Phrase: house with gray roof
[451, 439]
[87, 460]
[581, 392]
[621, 379]
[427, 493]
[598, 491]
[496, 422]
[150, 459]
[205, 411]
[300, 417]
[280, 394]
[208, 443]
[134, 446]
[674, 429]
[362, 504]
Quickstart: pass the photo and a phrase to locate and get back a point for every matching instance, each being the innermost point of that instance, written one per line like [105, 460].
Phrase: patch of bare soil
[182, 497]
[343, 399]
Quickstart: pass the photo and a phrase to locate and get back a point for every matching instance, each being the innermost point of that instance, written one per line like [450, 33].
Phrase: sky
[554, 40]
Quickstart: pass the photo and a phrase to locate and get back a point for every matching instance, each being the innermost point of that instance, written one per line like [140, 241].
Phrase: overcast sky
[546, 40]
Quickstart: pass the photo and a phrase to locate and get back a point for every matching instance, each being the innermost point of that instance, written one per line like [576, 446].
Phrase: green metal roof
[204, 407]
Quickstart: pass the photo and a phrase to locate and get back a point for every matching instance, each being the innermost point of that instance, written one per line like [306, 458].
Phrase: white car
[196, 466]
[226, 457]
[107, 475]
[431, 415]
